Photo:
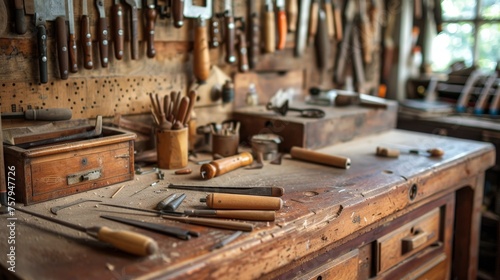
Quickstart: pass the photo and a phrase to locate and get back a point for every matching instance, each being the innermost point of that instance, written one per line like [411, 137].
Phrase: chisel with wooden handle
[124, 240]
[62, 47]
[282, 24]
[322, 42]
[269, 28]
[365, 33]
[337, 19]
[222, 166]
[102, 33]
[249, 215]
[292, 8]
[86, 37]
[242, 202]
[316, 157]
[119, 32]
[313, 20]
[72, 48]
[201, 56]
[328, 8]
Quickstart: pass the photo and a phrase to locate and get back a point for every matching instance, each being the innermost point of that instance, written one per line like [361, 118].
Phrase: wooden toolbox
[340, 124]
[52, 171]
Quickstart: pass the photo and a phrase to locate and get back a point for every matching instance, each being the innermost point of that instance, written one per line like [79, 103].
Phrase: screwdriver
[393, 152]
[127, 241]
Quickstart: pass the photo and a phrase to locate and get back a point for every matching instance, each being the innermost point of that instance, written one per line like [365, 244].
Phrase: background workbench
[334, 222]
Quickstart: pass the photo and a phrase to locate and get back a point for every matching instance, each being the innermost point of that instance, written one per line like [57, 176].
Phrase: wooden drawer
[407, 240]
[343, 267]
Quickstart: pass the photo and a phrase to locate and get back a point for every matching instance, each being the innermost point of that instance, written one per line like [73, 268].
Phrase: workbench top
[323, 206]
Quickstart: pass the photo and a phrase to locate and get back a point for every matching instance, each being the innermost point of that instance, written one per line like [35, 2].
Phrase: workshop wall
[123, 86]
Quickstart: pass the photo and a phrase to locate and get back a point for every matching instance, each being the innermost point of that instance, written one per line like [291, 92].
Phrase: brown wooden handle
[128, 241]
[62, 47]
[387, 152]
[192, 100]
[178, 13]
[20, 17]
[242, 52]
[322, 42]
[316, 157]
[73, 57]
[230, 38]
[269, 32]
[313, 19]
[134, 33]
[41, 35]
[183, 107]
[150, 32]
[254, 36]
[224, 165]
[366, 41]
[86, 43]
[243, 202]
[119, 33]
[337, 18]
[282, 30]
[201, 56]
[327, 7]
[102, 35]
[292, 11]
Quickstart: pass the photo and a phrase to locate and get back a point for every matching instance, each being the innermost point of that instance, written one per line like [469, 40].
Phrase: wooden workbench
[335, 223]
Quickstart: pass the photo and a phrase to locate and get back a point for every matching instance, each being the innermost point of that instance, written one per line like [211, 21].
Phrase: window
[471, 33]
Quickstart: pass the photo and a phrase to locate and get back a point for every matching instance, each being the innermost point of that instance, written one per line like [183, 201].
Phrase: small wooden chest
[49, 172]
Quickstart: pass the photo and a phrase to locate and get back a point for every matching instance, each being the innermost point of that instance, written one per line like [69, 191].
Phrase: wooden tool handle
[292, 10]
[282, 30]
[128, 241]
[327, 7]
[192, 100]
[102, 35]
[242, 53]
[86, 43]
[224, 165]
[62, 47]
[249, 215]
[316, 157]
[269, 32]
[387, 152]
[322, 42]
[134, 33]
[20, 18]
[41, 35]
[254, 37]
[243, 202]
[118, 25]
[49, 114]
[313, 19]
[150, 32]
[201, 56]
[73, 57]
[230, 39]
[213, 223]
[366, 41]
[337, 18]
[178, 13]
[183, 107]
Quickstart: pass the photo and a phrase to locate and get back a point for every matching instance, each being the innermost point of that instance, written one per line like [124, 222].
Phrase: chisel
[269, 28]
[127, 241]
[86, 37]
[282, 24]
[242, 202]
[250, 215]
[50, 114]
[102, 33]
[263, 191]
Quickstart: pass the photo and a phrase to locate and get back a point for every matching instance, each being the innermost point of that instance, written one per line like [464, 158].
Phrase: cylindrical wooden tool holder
[242, 202]
[225, 145]
[312, 156]
[224, 165]
[172, 148]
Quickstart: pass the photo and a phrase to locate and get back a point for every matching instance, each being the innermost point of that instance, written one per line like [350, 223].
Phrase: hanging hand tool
[350, 11]
[214, 32]
[317, 157]
[269, 28]
[337, 19]
[102, 33]
[358, 61]
[389, 49]
[242, 48]
[50, 114]
[150, 28]
[177, 13]
[328, 8]
[73, 57]
[282, 24]
[62, 47]
[201, 56]
[55, 209]
[216, 223]
[313, 20]
[172, 231]
[20, 17]
[229, 29]
[134, 22]
[301, 36]
[253, 35]
[365, 32]
[86, 37]
[226, 240]
[222, 166]
[192, 100]
[119, 29]
[485, 94]
[263, 191]
[292, 8]
[242, 202]
[127, 241]
[322, 42]
[249, 215]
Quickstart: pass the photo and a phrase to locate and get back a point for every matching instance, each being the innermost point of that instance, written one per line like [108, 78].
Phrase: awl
[263, 191]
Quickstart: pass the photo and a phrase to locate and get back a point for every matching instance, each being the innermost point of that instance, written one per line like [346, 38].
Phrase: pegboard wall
[124, 85]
